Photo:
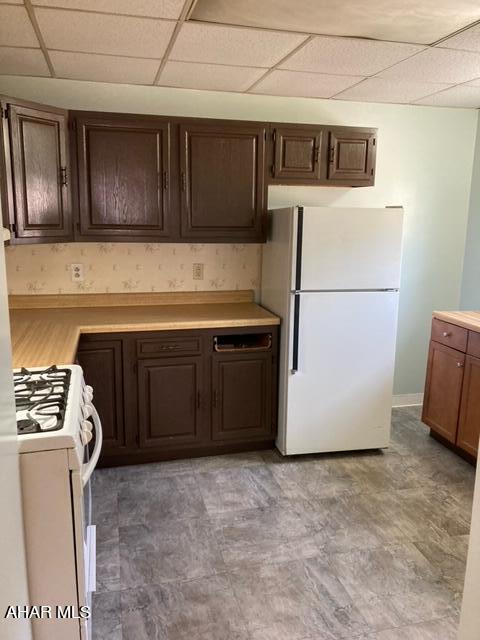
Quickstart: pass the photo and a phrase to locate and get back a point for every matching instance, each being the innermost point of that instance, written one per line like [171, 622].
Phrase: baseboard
[407, 400]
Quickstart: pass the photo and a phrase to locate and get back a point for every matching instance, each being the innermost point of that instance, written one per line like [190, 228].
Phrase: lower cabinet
[451, 406]
[102, 362]
[241, 396]
[170, 397]
[177, 394]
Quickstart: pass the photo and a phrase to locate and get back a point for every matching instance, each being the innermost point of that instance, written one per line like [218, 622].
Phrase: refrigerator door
[348, 249]
[340, 398]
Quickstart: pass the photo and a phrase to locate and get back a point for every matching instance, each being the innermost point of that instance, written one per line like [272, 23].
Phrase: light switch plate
[197, 270]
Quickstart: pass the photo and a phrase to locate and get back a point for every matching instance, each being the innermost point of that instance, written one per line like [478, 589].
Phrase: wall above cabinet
[93, 176]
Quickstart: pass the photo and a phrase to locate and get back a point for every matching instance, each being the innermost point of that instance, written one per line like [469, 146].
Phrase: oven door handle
[92, 463]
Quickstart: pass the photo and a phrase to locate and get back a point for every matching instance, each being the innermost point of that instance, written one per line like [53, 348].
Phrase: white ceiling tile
[99, 68]
[303, 84]
[422, 22]
[468, 40]
[102, 33]
[22, 62]
[15, 27]
[231, 45]
[211, 77]
[437, 65]
[350, 56]
[11, 1]
[155, 8]
[460, 96]
[380, 90]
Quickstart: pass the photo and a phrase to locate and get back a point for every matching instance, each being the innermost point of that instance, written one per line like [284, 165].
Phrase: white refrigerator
[333, 276]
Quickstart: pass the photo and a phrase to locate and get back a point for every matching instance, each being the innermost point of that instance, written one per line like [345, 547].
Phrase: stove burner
[27, 425]
[41, 399]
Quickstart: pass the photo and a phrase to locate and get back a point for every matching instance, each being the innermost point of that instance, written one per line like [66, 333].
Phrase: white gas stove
[53, 407]
[56, 421]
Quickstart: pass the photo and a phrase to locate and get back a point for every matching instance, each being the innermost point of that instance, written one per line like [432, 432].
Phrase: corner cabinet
[123, 178]
[176, 394]
[36, 172]
[222, 170]
[451, 406]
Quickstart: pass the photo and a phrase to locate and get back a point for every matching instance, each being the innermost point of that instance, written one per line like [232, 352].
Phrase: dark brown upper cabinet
[296, 154]
[35, 168]
[351, 156]
[123, 178]
[222, 181]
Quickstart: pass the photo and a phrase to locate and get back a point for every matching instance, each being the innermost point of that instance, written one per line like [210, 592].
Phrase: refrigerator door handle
[296, 332]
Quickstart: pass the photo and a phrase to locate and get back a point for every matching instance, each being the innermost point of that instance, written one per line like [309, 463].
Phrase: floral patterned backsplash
[122, 267]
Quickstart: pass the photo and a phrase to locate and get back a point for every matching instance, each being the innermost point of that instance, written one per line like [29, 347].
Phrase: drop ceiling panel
[15, 27]
[231, 45]
[308, 85]
[351, 56]
[102, 33]
[380, 90]
[23, 62]
[155, 8]
[437, 65]
[461, 96]
[99, 68]
[212, 77]
[468, 40]
[399, 20]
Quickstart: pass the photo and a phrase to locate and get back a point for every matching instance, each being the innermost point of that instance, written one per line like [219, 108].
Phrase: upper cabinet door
[123, 175]
[40, 207]
[223, 182]
[296, 154]
[351, 156]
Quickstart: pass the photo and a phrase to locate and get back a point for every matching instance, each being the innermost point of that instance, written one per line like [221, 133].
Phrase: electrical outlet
[198, 270]
[77, 273]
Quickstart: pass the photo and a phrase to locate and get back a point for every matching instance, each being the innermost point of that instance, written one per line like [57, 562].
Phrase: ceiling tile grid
[422, 52]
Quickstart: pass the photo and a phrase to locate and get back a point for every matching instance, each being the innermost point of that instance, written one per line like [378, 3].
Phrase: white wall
[424, 162]
[470, 298]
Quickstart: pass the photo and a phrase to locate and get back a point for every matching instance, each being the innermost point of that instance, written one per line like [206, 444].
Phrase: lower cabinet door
[241, 396]
[443, 390]
[170, 401]
[102, 364]
[469, 424]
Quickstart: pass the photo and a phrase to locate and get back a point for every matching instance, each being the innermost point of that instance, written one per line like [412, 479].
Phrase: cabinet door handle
[331, 157]
[183, 181]
[316, 153]
[165, 180]
[63, 176]
[460, 365]
[447, 334]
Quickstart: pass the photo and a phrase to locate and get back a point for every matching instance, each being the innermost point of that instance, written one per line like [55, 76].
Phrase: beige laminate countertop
[45, 336]
[467, 319]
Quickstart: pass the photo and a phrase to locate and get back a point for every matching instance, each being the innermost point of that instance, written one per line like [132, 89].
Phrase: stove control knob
[86, 436]
[87, 410]
[88, 393]
[87, 426]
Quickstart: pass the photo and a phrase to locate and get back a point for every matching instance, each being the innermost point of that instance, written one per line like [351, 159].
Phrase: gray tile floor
[366, 546]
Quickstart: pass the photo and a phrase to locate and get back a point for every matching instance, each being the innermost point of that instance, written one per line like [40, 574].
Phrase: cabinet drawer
[473, 348]
[449, 335]
[169, 346]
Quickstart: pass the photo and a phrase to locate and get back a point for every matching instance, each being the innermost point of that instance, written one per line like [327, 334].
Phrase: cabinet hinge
[165, 180]
[371, 172]
[3, 112]
[274, 135]
[272, 170]
[374, 141]
[13, 227]
[63, 176]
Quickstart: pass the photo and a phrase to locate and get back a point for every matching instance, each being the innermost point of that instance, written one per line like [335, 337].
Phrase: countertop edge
[460, 318]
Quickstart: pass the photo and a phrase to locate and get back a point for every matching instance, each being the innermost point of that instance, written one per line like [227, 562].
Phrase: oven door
[85, 534]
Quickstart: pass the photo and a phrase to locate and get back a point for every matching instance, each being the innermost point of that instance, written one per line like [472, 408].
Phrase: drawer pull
[459, 365]
[447, 334]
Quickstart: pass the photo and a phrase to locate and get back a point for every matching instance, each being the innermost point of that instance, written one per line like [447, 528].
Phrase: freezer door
[350, 248]
[340, 398]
